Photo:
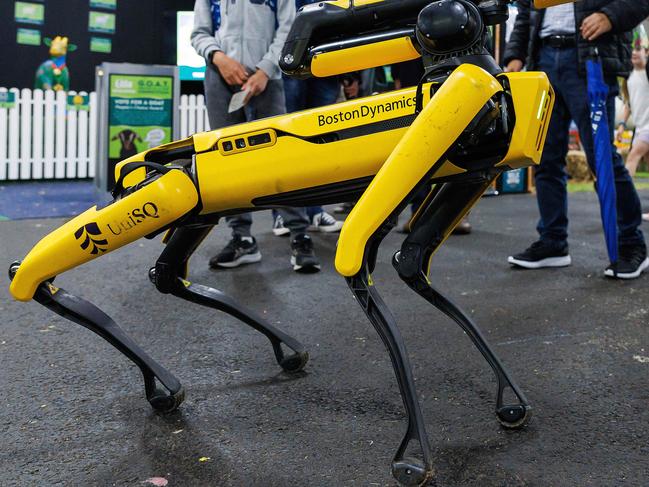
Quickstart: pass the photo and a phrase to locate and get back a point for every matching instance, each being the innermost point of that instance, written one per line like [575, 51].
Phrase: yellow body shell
[303, 151]
[98, 231]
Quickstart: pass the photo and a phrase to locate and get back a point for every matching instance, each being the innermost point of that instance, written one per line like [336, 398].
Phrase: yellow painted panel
[533, 99]
[363, 57]
[316, 121]
[439, 124]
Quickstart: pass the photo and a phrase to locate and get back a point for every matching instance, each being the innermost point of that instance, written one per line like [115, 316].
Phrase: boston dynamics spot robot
[464, 124]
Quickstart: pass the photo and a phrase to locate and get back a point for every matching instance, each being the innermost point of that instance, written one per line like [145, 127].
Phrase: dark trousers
[550, 176]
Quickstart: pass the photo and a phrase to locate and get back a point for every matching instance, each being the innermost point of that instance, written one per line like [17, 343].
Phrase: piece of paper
[238, 101]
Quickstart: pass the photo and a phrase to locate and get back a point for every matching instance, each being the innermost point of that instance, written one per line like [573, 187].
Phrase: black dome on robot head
[449, 26]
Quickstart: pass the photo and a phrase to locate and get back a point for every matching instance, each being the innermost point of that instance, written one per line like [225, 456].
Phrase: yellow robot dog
[462, 126]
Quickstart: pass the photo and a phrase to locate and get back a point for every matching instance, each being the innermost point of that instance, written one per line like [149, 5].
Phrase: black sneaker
[303, 259]
[630, 263]
[240, 250]
[542, 254]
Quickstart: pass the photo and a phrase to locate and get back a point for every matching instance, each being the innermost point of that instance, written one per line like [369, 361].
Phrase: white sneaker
[324, 222]
[278, 227]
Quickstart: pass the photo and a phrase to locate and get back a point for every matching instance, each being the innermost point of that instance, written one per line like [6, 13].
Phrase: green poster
[29, 13]
[30, 37]
[78, 102]
[107, 4]
[140, 113]
[7, 99]
[101, 22]
[101, 44]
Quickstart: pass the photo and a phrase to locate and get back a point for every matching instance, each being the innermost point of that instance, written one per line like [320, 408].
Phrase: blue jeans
[550, 176]
[310, 93]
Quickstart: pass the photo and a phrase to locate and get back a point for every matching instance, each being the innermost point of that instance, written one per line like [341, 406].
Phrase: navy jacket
[614, 47]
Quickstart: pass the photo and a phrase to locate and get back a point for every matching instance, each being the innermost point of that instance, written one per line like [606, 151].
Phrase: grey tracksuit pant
[267, 104]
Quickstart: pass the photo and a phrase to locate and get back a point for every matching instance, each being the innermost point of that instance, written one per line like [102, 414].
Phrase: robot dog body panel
[303, 151]
[99, 231]
[469, 123]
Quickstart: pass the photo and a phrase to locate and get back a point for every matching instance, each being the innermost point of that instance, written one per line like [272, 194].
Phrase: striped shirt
[559, 20]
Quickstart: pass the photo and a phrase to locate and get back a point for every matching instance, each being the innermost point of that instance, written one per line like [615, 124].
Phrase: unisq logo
[91, 238]
[134, 218]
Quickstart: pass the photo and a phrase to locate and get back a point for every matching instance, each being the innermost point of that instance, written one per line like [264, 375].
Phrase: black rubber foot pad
[411, 472]
[167, 403]
[294, 363]
[513, 417]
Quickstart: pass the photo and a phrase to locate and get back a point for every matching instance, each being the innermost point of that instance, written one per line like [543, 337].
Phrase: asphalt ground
[73, 409]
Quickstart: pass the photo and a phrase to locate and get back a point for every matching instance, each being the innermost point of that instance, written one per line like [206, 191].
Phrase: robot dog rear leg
[433, 224]
[406, 470]
[169, 276]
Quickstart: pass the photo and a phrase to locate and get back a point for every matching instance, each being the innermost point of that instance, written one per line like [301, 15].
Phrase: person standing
[241, 42]
[558, 40]
[637, 105]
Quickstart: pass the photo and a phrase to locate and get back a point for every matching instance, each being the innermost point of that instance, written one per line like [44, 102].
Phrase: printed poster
[107, 4]
[29, 13]
[103, 22]
[101, 44]
[7, 99]
[140, 114]
[29, 37]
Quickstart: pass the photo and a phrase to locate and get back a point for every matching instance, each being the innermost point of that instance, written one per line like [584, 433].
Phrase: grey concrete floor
[73, 411]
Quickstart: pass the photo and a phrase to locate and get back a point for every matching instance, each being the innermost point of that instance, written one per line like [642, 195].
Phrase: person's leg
[270, 103]
[303, 258]
[322, 91]
[295, 219]
[638, 151]
[217, 100]
[550, 176]
[629, 209]
[551, 250]
[632, 252]
[295, 94]
[629, 212]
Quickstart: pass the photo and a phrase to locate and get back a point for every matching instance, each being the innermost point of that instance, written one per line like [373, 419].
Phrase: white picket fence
[193, 115]
[40, 138]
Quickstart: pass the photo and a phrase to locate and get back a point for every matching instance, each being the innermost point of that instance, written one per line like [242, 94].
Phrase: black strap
[132, 166]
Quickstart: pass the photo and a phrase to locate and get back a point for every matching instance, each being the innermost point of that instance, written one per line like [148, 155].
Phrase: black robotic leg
[89, 316]
[408, 471]
[169, 276]
[443, 211]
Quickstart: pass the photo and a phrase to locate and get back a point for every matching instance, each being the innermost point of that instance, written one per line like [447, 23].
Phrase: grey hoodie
[250, 32]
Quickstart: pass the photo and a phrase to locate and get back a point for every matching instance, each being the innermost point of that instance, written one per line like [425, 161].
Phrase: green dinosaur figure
[53, 74]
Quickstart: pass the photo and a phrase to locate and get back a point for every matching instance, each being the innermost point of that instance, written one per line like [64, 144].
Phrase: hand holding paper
[256, 84]
[238, 100]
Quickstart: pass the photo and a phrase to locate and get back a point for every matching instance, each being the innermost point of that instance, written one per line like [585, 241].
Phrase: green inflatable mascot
[53, 74]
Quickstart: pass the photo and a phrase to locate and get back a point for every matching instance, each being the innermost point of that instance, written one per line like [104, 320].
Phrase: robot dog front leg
[421, 156]
[163, 200]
